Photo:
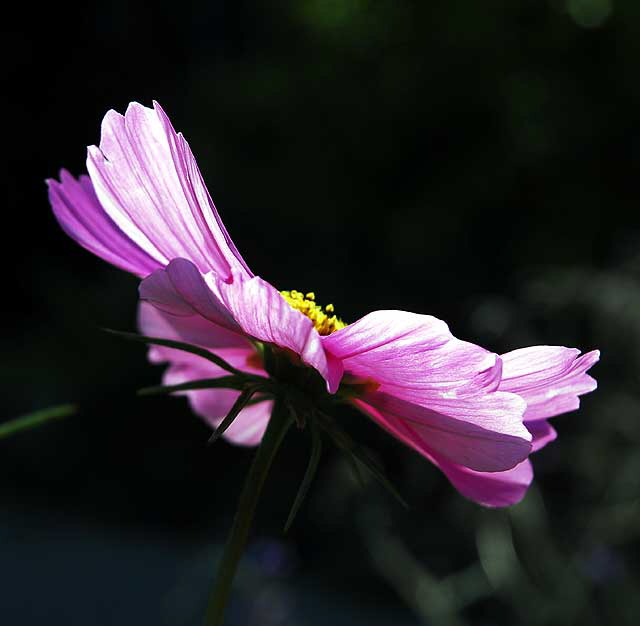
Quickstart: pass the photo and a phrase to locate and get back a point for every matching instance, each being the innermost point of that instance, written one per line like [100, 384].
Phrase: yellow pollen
[323, 320]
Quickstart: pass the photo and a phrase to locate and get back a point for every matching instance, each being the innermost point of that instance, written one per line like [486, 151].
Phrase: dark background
[472, 160]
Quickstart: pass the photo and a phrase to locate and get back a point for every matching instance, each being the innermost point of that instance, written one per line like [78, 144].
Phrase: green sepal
[242, 401]
[179, 345]
[359, 455]
[316, 453]
[36, 419]
[222, 382]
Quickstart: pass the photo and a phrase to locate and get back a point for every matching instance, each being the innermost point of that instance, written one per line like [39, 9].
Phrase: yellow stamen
[323, 323]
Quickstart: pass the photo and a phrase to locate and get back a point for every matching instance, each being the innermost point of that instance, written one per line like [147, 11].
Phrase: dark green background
[472, 160]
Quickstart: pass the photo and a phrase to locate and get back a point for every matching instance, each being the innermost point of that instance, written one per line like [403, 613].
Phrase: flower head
[476, 415]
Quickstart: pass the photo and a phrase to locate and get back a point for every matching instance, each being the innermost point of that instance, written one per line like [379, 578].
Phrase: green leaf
[359, 455]
[223, 382]
[36, 419]
[316, 453]
[238, 405]
[179, 345]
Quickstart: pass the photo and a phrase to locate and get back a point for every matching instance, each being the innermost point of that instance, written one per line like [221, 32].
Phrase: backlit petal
[251, 308]
[542, 433]
[495, 489]
[484, 433]
[147, 180]
[82, 217]
[414, 357]
[264, 314]
[214, 404]
[549, 378]
[193, 329]
[181, 290]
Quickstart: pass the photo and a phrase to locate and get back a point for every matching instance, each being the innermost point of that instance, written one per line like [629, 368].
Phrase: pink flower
[476, 415]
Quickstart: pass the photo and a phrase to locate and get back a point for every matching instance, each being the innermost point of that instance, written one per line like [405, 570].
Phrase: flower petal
[495, 489]
[148, 182]
[414, 357]
[264, 314]
[182, 291]
[82, 217]
[193, 329]
[248, 428]
[484, 433]
[549, 378]
[214, 404]
[248, 309]
[542, 433]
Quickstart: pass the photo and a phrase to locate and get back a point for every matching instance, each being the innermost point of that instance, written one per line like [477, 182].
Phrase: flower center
[323, 319]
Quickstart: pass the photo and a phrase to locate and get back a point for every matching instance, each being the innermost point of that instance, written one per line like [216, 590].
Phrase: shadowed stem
[277, 428]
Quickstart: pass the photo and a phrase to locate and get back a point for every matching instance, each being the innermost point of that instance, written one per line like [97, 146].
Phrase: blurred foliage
[472, 160]
[32, 420]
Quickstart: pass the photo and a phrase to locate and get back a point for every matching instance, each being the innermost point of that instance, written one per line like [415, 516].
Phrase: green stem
[278, 425]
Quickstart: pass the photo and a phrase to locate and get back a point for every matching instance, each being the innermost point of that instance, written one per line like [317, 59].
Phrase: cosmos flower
[476, 415]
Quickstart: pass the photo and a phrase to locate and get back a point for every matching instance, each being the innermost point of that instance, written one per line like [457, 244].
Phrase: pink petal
[542, 433]
[148, 182]
[251, 309]
[242, 357]
[193, 329]
[182, 291]
[495, 489]
[248, 428]
[264, 314]
[196, 190]
[414, 357]
[81, 216]
[484, 433]
[214, 404]
[549, 378]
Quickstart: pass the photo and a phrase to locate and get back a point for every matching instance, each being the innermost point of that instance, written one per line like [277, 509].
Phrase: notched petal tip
[148, 182]
[97, 156]
[549, 378]
[134, 105]
[591, 358]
